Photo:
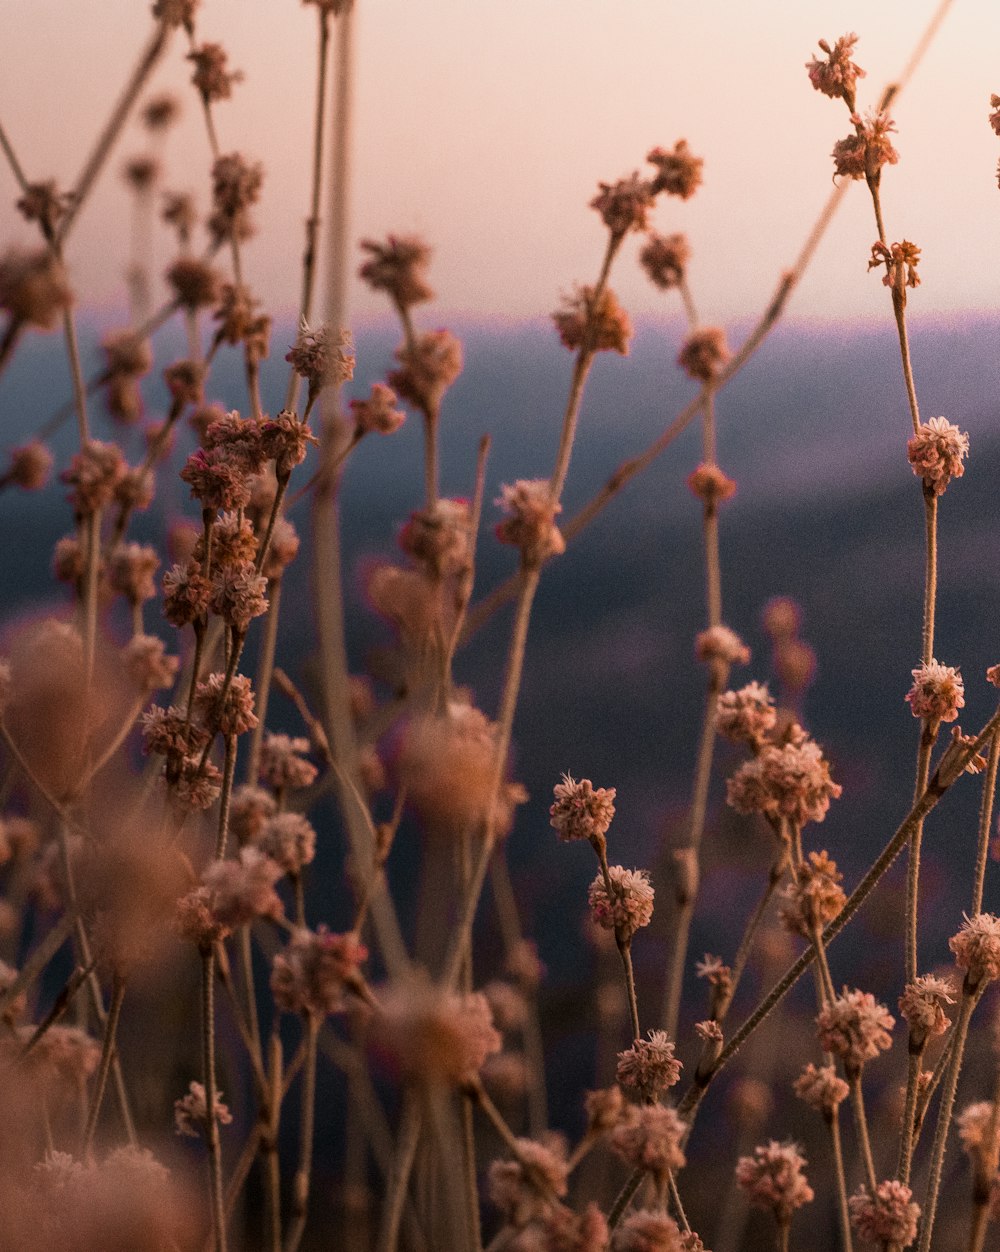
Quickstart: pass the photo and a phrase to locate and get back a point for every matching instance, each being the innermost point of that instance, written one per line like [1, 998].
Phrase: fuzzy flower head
[629, 905]
[710, 484]
[888, 1217]
[283, 764]
[747, 715]
[821, 1088]
[581, 811]
[900, 261]
[704, 353]
[678, 172]
[322, 357]
[436, 1035]
[34, 287]
[377, 414]
[438, 537]
[288, 839]
[995, 115]
[977, 948]
[646, 1230]
[868, 149]
[29, 467]
[973, 1128]
[922, 1004]
[721, 645]
[284, 440]
[242, 890]
[837, 75]
[814, 897]
[665, 259]
[211, 76]
[773, 1179]
[530, 522]
[788, 781]
[527, 1188]
[313, 973]
[427, 368]
[590, 323]
[648, 1067]
[191, 1111]
[398, 267]
[649, 1138]
[937, 693]
[855, 1027]
[624, 205]
[936, 453]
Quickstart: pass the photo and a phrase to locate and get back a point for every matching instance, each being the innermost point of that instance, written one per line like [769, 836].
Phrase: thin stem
[914, 1068]
[211, 1121]
[843, 1211]
[265, 668]
[930, 574]
[107, 1053]
[300, 1194]
[225, 796]
[774, 877]
[399, 1176]
[985, 825]
[861, 1126]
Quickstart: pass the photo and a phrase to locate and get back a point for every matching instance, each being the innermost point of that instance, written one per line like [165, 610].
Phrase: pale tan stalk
[774, 877]
[300, 1190]
[861, 1127]
[108, 1047]
[907, 1134]
[843, 1211]
[624, 946]
[985, 825]
[398, 1181]
[39, 958]
[265, 670]
[211, 1121]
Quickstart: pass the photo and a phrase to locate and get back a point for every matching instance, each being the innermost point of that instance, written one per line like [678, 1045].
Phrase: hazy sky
[485, 125]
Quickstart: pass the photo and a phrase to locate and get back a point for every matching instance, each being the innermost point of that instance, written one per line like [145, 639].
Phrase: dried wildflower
[439, 537]
[397, 267]
[789, 781]
[427, 368]
[709, 1031]
[624, 205]
[604, 1109]
[747, 715]
[922, 1005]
[530, 522]
[559, 1229]
[233, 540]
[323, 357]
[821, 1088]
[586, 324]
[141, 172]
[773, 1179]
[814, 896]
[195, 283]
[93, 474]
[435, 1034]
[708, 483]
[238, 594]
[236, 714]
[315, 970]
[715, 973]
[147, 663]
[211, 77]
[216, 479]
[888, 1217]
[195, 922]
[196, 784]
[629, 904]
[647, 1231]
[289, 840]
[649, 1138]
[179, 211]
[43, 203]
[134, 490]
[249, 809]
[973, 1126]
[68, 562]
[665, 259]
[900, 263]
[507, 1004]
[720, 644]
[191, 1111]
[855, 1027]
[580, 810]
[236, 187]
[937, 693]
[34, 287]
[283, 764]
[376, 414]
[781, 617]
[243, 890]
[527, 1188]
[704, 353]
[678, 173]
[127, 354]
[977, 948]
[995, 115]
[185, 594]
[863, 154]
[131, 569]
[284, 439]
[30, 466]
[648, 1067]
[283, 548]
[237, 440]
[837, 75]
[936, 453]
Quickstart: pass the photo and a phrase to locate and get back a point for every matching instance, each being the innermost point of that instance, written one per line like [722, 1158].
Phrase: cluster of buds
[786, 780]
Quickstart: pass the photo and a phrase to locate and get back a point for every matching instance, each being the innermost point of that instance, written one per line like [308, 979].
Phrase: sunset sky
[485, 127]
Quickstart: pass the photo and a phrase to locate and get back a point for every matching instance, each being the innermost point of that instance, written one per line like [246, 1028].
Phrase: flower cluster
[588, 322]
[313, 973]
[837, 75]
[890, 1216]
[937, 693]
[648, 1067]
[624, 908]
[581, 811]
[936, 453]
[790, 780]
[855, 1027]
[773, 1179]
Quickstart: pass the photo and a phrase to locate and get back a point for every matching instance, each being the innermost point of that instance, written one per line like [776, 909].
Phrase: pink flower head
[822, 1089]
[587, 323]
[649, 1138]
[720, 644]
[709, 484]
[628, 907]
[398, 267]
[888, 1217]
[937, 693]
[242, 890]
[773, 1179]
[427, 369]
[704, 353]
[648, 1231]
[973, 1127]
[191, 1111]
[936, 453]
[863, 154]
[678, 173]
[791, 781]
[238, 594]
[648, 1067]
[233, 715]
[995, 115]
[30, 466]
[211, 77]
[185, 594]
[436, 1035]
[922, 1005]
[665, 258]
[814, 896]
[217, 479]
[747, 715]
[855, 1027]
[34, 287]
[581, 811]
[377, 412]
[283, 763]
[147, 663]
[314, 971]
[288, 839]
[93, 474]
[527, 1188]
[439, 537]
[530, 522]
[977, 948]
[284, 440]
[900, 261]
[323, 356]
[836, 76]
[624, 205]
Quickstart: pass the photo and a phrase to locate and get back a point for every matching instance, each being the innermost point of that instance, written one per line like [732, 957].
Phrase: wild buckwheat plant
[267, 980]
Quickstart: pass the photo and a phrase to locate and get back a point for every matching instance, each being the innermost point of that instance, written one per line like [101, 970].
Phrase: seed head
[936, 453]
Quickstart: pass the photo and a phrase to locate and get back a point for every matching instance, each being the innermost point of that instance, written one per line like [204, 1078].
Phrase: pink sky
[486, 125]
